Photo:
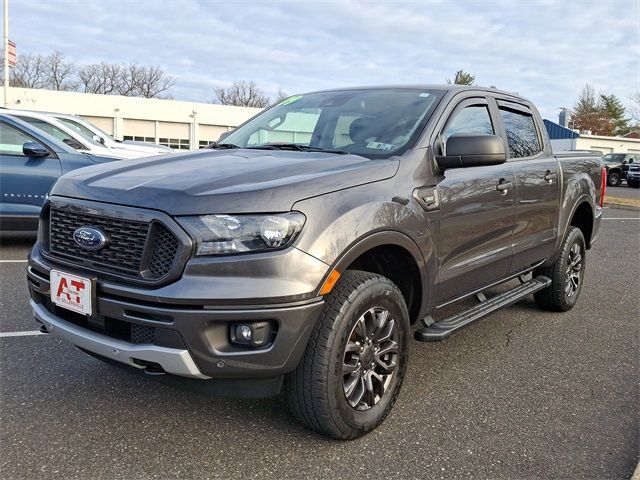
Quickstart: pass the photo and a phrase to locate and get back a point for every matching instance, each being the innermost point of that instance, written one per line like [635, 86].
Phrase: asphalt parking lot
[520, 394]
[624, 191]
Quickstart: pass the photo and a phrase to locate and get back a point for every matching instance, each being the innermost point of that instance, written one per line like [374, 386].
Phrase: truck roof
[441, 87]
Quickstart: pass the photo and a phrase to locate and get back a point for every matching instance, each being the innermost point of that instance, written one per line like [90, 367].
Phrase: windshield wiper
[222, 146]
[296, 147]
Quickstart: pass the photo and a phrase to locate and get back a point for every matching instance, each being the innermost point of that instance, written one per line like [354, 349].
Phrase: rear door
[24, 181]
[537, 185]
[476, 219]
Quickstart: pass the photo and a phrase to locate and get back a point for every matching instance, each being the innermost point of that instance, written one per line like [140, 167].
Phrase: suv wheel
[613, 179]
[566, 274]
[356, 358]
[633, 183]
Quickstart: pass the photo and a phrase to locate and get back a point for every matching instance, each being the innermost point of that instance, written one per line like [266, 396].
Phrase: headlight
[228, 234]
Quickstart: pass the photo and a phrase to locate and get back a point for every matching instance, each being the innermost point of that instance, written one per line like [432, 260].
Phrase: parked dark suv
[299, 251]
[617, 165]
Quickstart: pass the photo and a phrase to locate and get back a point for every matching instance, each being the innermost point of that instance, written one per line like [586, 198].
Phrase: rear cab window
[523, 138]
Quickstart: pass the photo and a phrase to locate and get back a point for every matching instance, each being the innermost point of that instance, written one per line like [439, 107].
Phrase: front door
[476, 218]
[24, 181]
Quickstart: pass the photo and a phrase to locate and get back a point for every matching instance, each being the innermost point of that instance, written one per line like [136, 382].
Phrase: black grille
[142, 333]
[165, 247]
[127, 241]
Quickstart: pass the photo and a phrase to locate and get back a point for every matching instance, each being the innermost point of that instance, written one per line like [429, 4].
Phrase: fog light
[254, 334]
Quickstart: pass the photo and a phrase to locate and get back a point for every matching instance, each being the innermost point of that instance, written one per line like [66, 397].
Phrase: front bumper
[189, 331]
[171, 360]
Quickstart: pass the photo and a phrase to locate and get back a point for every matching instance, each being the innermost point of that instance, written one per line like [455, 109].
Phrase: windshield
[78, 128]
[372, 123]
[86, 131]
[613, 157]
[55, 132]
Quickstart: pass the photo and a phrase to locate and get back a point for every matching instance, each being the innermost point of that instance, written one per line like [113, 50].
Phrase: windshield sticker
[289, 100]
[425, 94]
[380, 146]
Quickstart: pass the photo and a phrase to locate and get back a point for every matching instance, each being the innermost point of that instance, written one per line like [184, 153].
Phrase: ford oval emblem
[90, 238]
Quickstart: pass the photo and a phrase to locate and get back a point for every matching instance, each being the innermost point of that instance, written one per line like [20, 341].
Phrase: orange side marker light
[330, 282]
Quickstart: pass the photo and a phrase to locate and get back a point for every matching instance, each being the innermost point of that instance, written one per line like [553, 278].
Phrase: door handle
[503, 186]
[550, 176]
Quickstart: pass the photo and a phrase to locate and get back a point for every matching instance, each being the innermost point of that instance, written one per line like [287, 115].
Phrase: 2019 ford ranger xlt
[298, 251]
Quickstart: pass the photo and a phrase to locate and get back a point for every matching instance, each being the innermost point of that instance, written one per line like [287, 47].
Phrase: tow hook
[43, 329]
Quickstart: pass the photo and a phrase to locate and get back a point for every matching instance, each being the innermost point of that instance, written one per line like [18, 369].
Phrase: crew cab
[300, 251]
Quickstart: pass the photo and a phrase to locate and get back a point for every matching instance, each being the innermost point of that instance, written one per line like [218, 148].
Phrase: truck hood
[222, 181]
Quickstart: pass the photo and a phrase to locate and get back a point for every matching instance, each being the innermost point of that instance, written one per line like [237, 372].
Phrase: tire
[319, 391]
[633, 184]
[566, 274]
[613, 179]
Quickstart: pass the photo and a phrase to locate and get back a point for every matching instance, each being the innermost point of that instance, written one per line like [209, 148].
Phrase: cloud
[545, 50]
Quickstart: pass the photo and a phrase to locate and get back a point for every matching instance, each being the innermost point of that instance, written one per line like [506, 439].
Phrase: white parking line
[13, 261]
[28, 333]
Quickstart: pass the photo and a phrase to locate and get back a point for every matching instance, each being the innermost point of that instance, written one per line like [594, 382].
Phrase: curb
[636, 474]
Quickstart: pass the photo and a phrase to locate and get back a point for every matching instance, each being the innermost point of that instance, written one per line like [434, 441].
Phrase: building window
[205, 143]
[139, 139]
[175, 143]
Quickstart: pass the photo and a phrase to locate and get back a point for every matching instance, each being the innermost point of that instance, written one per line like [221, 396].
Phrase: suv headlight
[229, 234]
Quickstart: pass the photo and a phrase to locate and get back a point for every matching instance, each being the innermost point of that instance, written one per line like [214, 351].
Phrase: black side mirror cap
[472, 151]
[34, 149]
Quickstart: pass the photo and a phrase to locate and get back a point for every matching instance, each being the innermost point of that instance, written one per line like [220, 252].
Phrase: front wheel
[633, 184]
[356, 358]
[566, 274]
[613, 179]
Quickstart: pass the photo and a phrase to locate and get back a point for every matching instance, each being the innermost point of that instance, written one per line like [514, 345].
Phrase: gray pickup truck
[300, 252]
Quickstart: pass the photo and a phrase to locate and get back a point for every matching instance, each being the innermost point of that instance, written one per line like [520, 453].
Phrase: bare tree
[30, 72]
[102, 78]
[462, 78]
[153, 82]
[60, 72]
[281, 96]
[131, 80]
[242, 93]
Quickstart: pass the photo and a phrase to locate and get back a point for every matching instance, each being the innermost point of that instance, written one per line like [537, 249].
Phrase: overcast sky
[545, 50]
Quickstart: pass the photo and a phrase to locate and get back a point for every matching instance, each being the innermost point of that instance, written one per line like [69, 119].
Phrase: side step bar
[440, 330]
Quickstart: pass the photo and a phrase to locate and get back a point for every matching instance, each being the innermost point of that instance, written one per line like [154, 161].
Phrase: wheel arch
[395, 256]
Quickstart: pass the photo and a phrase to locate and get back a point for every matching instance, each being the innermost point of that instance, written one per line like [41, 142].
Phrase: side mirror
[34, 149]
[99, 139]
[472, 151]
[223, 135]
[73, 143]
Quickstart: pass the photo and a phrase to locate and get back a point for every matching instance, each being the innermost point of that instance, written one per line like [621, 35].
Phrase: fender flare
[378, 239]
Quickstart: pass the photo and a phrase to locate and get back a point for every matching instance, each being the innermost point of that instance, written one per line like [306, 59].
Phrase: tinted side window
[12, 140]
[522, 135]
[474, 119]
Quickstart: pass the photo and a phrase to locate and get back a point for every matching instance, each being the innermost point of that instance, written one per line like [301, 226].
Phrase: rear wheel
[613, 179]
[566, 274]
[354, 364]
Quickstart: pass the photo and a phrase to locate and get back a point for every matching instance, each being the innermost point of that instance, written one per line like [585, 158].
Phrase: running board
[440, 330]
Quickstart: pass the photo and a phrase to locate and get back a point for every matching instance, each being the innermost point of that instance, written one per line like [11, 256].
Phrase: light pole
[6, 53]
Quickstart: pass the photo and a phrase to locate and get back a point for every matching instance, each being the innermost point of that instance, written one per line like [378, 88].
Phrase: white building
[177, 124]
[563, 139]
